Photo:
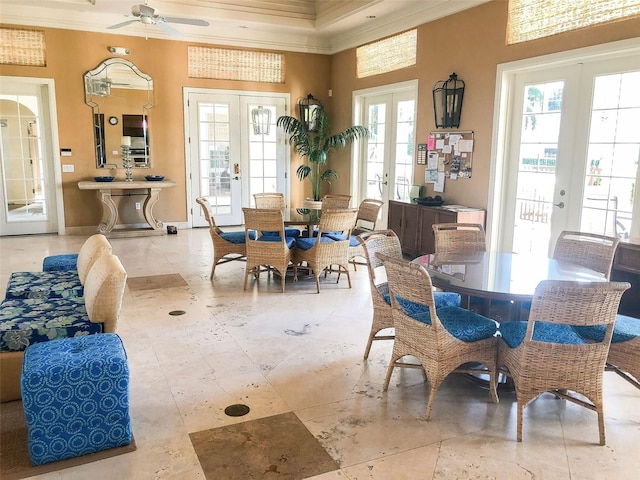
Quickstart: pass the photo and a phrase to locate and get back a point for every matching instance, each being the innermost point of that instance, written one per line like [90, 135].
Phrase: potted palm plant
[315, 146]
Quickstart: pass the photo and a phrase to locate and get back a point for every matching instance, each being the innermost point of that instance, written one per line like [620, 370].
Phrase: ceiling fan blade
[168, 29]
[187, 21]
[118, 25]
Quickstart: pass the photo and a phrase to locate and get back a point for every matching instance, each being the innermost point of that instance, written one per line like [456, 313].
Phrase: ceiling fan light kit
[147, 16]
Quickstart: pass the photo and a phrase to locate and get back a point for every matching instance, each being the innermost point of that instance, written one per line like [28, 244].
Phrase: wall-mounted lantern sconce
[261, 118]
[447, 102]
[309, 107]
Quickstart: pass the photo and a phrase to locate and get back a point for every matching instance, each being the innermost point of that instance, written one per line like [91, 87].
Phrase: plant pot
[312, 204]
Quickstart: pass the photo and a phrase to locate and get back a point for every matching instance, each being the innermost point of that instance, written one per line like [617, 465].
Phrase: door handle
[385, 183]
[559, 205]
[236, 178]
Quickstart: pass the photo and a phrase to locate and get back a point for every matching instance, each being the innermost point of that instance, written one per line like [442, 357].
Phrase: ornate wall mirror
[120, 96]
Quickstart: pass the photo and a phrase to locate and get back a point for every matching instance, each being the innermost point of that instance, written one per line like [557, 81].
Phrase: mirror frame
[93, 91]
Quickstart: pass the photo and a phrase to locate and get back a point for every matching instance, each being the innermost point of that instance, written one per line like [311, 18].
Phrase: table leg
[152, 199]
[109, 211]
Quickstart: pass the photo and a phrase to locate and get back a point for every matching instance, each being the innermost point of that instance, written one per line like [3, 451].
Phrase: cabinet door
[427, 239]
[410, 230]
[394, 220]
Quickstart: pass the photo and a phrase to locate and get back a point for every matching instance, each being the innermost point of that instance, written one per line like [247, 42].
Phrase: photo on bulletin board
[451, 153]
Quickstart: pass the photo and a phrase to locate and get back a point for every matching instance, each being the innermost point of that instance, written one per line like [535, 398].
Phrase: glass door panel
[404, 159]
[377, 183]
[536, 168]
[388, 169]
[613, 153]
[24, 196]
[266, 158]
[215, 157]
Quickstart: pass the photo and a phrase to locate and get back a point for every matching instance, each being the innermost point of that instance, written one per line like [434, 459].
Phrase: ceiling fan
[147, 15]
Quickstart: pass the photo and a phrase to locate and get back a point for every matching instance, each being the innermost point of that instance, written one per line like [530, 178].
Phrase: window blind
[531, 19]
[387, 55]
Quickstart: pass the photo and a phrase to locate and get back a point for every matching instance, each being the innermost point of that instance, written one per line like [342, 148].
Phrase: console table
[109, 208]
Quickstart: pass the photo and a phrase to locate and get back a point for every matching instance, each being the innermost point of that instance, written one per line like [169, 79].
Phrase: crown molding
[339, 27]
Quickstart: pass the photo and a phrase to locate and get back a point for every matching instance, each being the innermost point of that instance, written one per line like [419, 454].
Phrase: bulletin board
[451, 153]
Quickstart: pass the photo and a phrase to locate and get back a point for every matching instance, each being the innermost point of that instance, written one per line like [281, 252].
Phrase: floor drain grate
[236, 410]
[175, 313]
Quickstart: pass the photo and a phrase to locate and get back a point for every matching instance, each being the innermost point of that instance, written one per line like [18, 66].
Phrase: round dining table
[503, 276]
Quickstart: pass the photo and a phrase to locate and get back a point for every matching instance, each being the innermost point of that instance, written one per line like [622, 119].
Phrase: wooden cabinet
[412, 223]
[626, 268]
[403, 220]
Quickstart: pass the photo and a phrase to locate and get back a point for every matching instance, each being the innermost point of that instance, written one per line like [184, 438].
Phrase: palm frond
[314, 147]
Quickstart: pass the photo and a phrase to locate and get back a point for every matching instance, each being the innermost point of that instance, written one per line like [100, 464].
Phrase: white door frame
[359, 152]
[186, 91]
[52, 145]
[502, 105]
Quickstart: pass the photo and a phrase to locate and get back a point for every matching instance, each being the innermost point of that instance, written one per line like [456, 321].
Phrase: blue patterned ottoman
[75, 393]
[60, 263]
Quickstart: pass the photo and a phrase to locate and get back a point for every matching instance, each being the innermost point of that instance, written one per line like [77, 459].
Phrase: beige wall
[471, 43]
[71, 53]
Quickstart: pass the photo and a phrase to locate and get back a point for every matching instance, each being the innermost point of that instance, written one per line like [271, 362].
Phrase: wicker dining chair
[227, 246]
[545, 354]
[459, 237]
[330, 202]
[587, 249]
[266, 253]
[367, 217]
[269, 200]
[387, 243]
[443, 340]
[275, 200]
[320, 252]
[366, 221]
[624, 352]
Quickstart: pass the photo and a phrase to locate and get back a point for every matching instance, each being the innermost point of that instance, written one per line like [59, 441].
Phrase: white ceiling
[316, 26]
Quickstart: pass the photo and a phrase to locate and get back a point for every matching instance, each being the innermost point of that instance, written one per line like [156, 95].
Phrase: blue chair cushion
[337, 236]
[28, 321]
[59, 263]
[463, 324]
[513, 333]
[53, 284]
[288, 232]
[305, 243]
[289, 241]
[625, 329]
[328, 234]
[75, 394]
[442, 299]
[237, 237]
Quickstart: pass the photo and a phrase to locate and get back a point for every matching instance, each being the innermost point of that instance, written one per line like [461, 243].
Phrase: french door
[574, 154]
[28, 193]
[228, 159]
[386, 169]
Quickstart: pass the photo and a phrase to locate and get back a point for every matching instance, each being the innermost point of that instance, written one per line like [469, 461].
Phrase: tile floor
[301, 352]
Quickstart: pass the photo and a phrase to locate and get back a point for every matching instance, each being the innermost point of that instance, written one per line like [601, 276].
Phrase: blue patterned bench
[59, 283]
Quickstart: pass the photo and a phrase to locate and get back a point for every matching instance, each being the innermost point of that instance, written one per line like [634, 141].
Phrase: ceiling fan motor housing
[142, 11]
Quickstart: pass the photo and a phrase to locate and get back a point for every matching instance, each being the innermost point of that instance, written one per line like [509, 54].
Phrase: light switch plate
[68, 168]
